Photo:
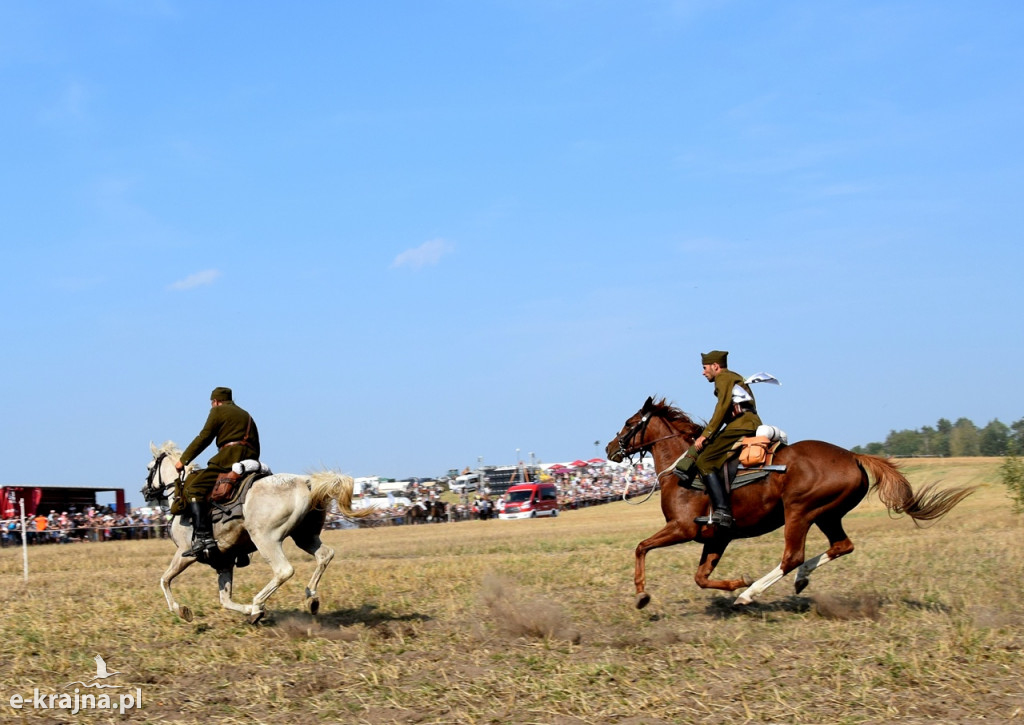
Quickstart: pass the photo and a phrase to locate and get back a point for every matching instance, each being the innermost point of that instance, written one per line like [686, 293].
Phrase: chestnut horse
[821, 484]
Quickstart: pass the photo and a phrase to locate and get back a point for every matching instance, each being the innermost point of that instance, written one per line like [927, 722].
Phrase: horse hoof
[742, 600]
[801, 584]
[255, 617]
[314, 605]
[185, 613]
[642, 600]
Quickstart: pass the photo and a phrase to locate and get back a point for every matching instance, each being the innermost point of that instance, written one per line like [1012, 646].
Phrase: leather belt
[233, 443]
[739, 409]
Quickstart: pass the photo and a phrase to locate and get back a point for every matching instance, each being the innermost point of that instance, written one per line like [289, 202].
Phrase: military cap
[715, 356]
[221, 394]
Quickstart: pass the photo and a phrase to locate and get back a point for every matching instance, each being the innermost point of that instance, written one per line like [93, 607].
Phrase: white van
[468, 482]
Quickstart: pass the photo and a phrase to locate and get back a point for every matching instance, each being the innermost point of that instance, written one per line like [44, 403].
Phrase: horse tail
[896, 493]
[326, 486]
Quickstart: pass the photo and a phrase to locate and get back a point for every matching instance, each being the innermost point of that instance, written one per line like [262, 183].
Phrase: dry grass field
[533, 622]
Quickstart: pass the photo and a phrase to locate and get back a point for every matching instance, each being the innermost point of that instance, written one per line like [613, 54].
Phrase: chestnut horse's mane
[683, 423]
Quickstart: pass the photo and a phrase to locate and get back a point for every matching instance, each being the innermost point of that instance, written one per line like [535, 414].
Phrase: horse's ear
[648, 403]
[152, 447]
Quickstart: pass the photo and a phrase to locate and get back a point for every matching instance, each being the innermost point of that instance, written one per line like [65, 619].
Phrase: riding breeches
[719, 450]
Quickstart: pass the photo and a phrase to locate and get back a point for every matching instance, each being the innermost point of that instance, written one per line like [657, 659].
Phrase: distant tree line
[962, 438]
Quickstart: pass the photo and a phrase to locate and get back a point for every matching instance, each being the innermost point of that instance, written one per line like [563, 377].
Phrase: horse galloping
[276, 507]
[820, 485]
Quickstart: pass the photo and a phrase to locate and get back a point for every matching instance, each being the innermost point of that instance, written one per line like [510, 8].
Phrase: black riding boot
[721, 514]
[202, 530]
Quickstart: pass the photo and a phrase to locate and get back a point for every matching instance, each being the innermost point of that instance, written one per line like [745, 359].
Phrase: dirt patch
[992, 618]
[862, 606]
[307, 627]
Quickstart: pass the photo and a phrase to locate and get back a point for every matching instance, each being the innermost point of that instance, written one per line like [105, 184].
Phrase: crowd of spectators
[595, 485]
[100, 523]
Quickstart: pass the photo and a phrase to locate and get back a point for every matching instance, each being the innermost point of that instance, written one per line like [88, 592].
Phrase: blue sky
[410, 235]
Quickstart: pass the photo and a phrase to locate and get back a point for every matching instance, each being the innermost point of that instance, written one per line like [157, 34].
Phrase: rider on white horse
[237, 439]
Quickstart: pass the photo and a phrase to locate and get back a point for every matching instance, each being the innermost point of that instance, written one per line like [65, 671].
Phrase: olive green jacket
[721, 438]
[725, 381]
[226, 423]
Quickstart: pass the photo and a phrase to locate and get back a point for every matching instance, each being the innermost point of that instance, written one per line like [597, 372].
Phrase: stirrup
[722, 519]
[201, 547]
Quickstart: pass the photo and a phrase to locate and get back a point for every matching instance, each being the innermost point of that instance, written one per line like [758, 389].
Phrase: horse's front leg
[674, 532]
[709, 558]
[792, 557]
[272, 551]
[225, 581]
[178, 564]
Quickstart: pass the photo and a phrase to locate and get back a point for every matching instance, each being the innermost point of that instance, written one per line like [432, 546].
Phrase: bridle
[627, 450]
[155, 488]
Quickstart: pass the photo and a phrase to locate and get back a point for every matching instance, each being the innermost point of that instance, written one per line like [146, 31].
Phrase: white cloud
[428, 253]
[207, 276]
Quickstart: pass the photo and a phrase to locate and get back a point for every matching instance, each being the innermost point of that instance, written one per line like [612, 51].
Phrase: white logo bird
[101, 674]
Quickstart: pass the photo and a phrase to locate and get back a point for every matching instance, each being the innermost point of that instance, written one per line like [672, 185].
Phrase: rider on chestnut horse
[735, 417]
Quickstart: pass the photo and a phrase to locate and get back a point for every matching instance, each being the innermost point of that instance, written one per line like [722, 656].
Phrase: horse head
[638, 436]
[161, 471]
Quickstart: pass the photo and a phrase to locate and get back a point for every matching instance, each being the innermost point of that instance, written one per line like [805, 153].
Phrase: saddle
[231, 489]
[751, 459]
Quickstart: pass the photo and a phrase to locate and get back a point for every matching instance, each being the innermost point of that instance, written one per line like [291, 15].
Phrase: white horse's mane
[170, 448]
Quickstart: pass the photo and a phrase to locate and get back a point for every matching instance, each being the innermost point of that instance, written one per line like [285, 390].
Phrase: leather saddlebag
[224, 486]
[754, 451]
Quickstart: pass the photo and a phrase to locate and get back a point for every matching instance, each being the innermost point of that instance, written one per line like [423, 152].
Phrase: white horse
[276, 507]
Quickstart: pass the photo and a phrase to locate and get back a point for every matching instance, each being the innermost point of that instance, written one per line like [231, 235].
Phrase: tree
[943, 428]
[994, 439]
[964, 439]
[1015, 446]
[903, 443]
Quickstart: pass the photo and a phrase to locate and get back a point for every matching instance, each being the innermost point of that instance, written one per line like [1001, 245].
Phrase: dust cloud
[519, 616]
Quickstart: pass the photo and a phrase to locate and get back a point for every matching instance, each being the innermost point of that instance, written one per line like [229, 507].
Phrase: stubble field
[533, 622]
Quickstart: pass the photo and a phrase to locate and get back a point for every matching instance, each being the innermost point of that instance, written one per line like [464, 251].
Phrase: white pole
[24, 540]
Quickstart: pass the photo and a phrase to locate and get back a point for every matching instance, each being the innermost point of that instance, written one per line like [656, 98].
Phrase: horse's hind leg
[323, 555]
[178, 564]
[840, 546]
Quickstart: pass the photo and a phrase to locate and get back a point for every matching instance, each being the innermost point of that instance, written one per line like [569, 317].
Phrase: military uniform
[740, 420]
[237, 439]
[735, 417]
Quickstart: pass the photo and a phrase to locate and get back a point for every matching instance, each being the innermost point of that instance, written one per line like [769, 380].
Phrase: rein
[641, 426]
